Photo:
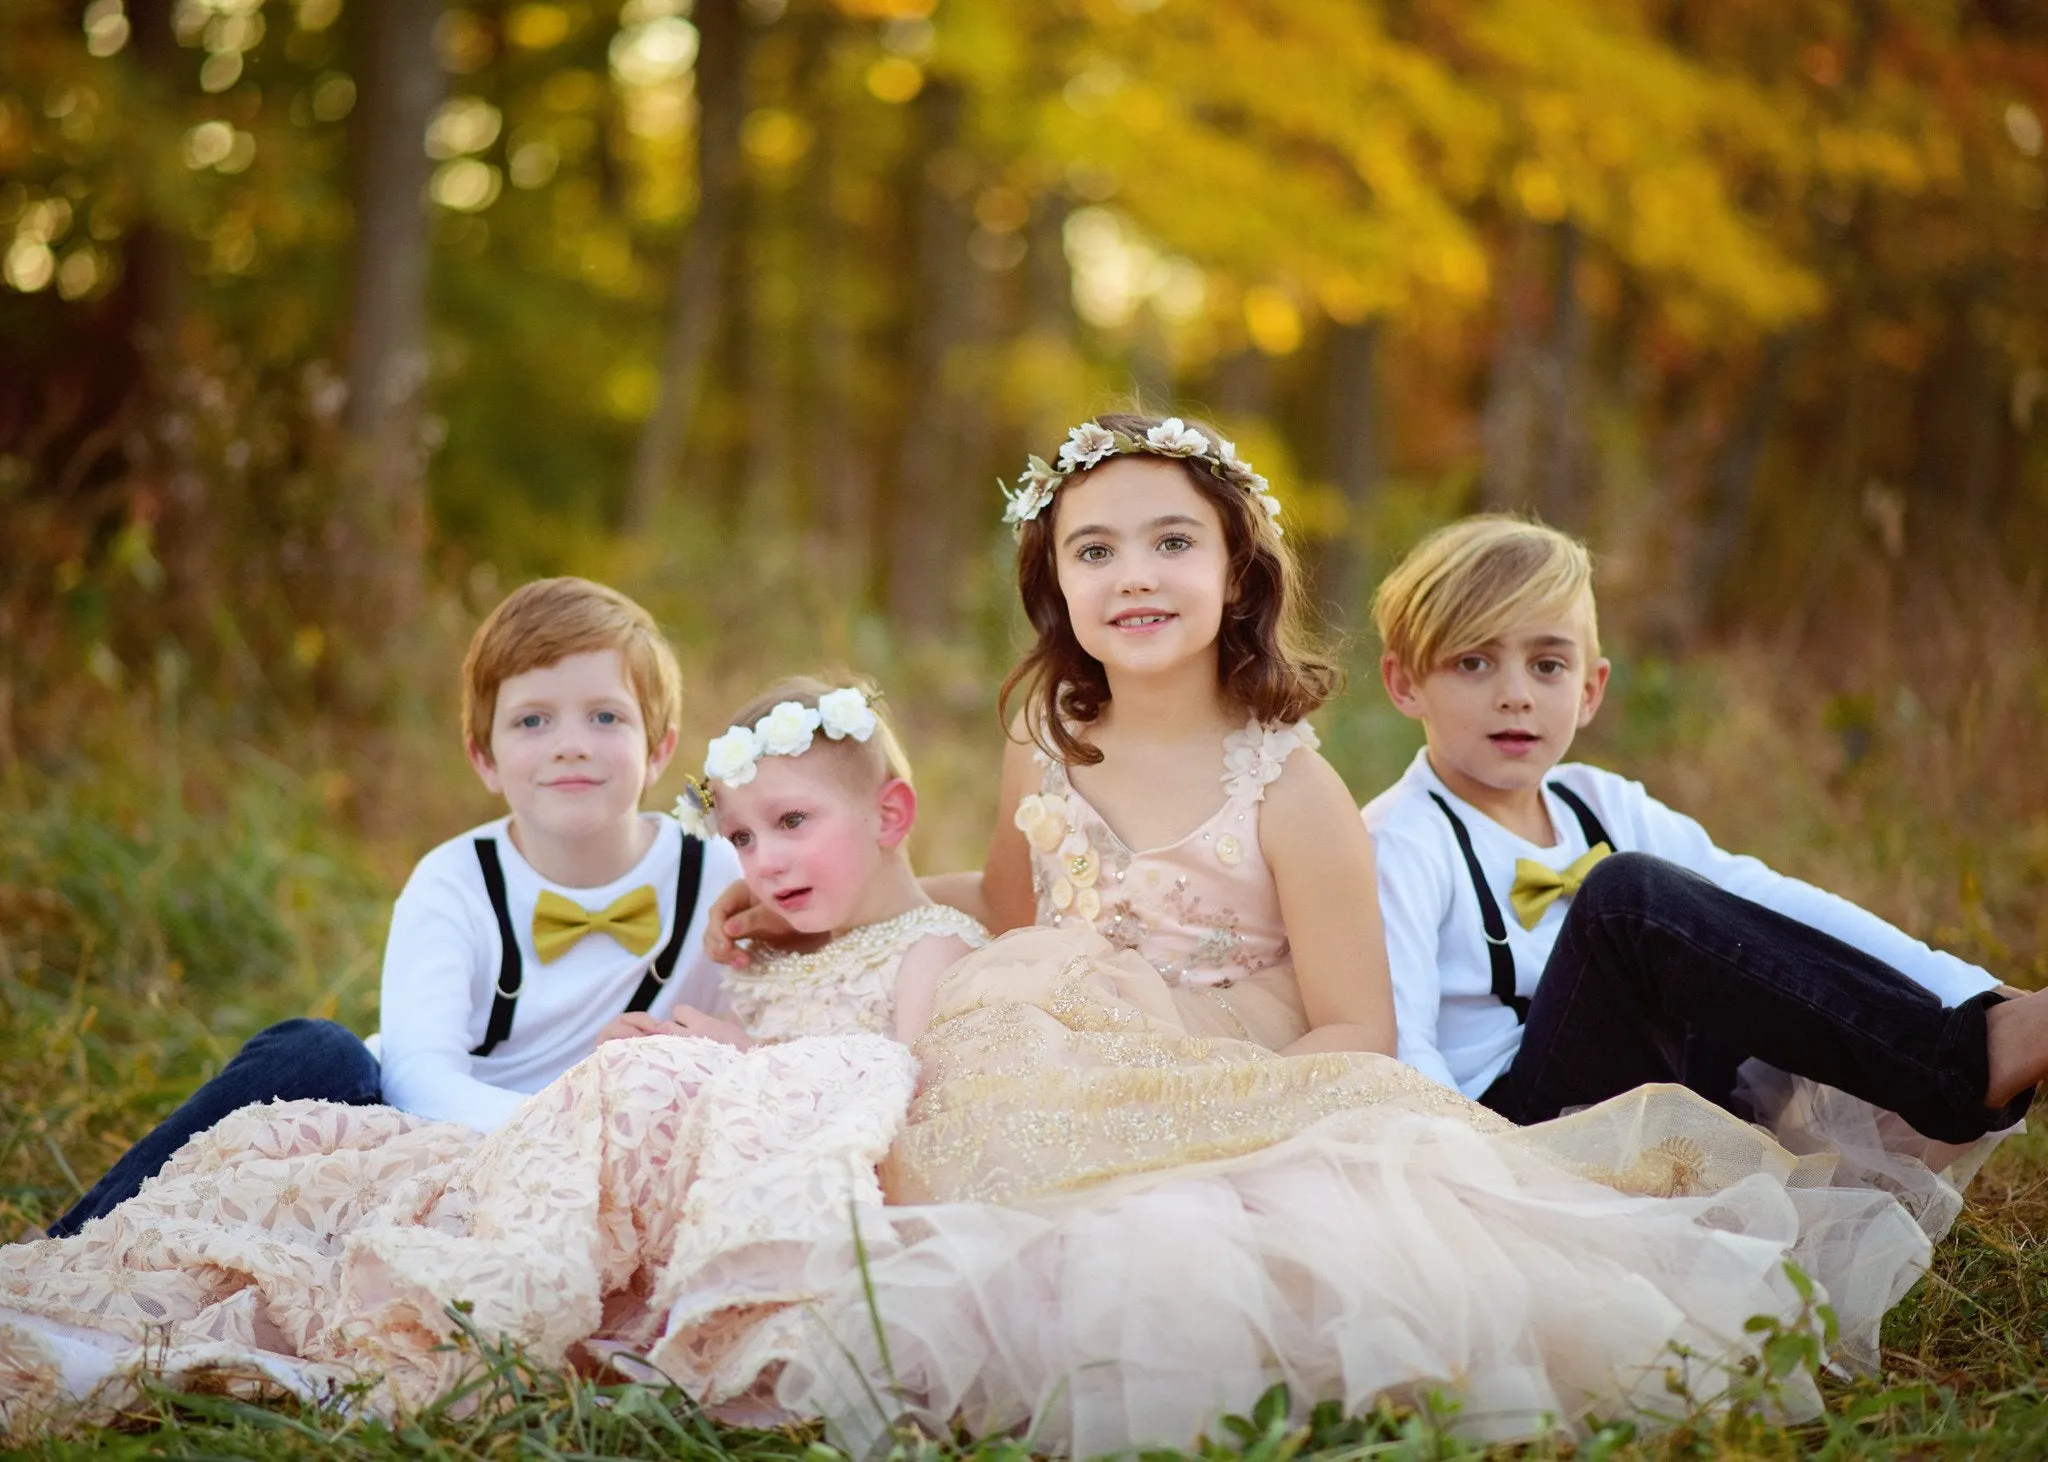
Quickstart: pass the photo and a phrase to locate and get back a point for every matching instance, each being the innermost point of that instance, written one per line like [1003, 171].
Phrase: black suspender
[1588, 823]
[1498, 955]
[505, 997]
[689, 868]
[507, 992]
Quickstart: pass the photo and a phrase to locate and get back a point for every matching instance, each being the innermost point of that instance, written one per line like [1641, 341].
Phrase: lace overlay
[849, 985]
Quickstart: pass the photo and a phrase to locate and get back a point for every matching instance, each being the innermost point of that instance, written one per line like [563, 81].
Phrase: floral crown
[786, 730]
[1091, 443]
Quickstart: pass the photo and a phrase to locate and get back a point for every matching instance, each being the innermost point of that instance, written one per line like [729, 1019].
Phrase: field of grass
[174, 875]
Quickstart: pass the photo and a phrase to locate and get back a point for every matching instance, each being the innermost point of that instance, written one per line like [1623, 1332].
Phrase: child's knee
[1630, 881]
[318, 1046]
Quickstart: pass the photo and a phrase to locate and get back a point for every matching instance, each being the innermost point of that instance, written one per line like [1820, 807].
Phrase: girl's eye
[740, 839]
[790, 820]
[1176, 543]
[528, 722]
[1093, 553]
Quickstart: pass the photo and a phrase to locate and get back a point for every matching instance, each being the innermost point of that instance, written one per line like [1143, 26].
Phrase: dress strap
[1498, 955]
[1255, 755]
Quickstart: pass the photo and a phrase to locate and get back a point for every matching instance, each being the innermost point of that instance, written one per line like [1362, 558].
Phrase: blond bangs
[1472, 582]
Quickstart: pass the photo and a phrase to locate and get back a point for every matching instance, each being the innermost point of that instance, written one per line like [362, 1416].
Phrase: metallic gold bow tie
[1537, 888]
[634, 919]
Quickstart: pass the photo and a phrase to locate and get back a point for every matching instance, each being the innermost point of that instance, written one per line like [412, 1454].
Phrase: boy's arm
[1679, 838]
[425, 1014]
[1413, 894]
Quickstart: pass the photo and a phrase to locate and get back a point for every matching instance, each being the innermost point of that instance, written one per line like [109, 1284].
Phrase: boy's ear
[897, 803]
[1403, 689]
[486, 768]
[1596, 691]
[658, 759]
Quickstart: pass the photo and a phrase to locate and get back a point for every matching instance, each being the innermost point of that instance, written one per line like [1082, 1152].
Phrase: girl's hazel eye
[1176, 543]
[741, 839]
[1092, 553]
[791, 820]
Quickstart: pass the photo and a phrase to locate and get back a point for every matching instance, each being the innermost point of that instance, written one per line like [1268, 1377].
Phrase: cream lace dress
[1119, 1212]
[645, 1202]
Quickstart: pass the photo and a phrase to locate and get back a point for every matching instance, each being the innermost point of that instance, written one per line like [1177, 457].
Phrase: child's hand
[736, 915]
[688, 1021]
[634, 1023]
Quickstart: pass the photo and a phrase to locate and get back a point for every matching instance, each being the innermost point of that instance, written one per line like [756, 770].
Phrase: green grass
[168, 886]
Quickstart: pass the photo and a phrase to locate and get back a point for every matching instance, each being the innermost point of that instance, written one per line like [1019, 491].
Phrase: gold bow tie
[1537, 888]
[634, 919]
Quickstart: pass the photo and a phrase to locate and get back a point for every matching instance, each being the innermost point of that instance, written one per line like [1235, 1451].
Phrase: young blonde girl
[811, 788]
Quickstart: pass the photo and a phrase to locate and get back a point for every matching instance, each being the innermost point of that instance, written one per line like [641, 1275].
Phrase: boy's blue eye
[608, 718]
[528, 721]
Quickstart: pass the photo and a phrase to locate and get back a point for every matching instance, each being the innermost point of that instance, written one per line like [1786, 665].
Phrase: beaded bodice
[1202, 910]
[847, 986]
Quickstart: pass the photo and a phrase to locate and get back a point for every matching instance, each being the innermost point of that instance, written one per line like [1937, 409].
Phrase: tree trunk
[699, 284]
[926, 511]
[1356, 461]
[1560, 495]
[387, 351]
[1731, 484]
[1508, 419]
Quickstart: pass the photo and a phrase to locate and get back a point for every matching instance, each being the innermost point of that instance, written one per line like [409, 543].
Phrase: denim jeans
[293, 1059]
[1660, 975]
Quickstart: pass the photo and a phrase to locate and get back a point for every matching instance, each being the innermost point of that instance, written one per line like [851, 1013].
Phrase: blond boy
[1558, 936]
[517, 946]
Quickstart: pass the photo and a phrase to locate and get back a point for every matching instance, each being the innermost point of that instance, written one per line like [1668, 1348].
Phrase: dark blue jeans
[1660, 975]
[293, 1059]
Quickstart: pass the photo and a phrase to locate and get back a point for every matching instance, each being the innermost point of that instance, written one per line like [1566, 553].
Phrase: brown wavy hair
[1267, 658]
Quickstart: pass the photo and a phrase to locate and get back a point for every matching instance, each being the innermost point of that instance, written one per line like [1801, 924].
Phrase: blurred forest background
[324, 322]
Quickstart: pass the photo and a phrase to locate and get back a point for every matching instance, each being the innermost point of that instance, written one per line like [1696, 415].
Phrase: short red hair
[549, 620]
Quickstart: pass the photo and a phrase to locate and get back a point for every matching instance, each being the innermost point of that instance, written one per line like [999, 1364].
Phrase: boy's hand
[687, 1021]
[736, 915]
[634, 1023]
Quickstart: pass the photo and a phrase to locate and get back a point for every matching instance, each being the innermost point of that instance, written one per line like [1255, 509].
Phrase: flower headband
[1091, 443]
[785, 731]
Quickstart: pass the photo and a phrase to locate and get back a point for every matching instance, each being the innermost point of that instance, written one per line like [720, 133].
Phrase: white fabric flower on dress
[1175, 438]
[731, 757]
[846, 713]
[1042, 820]
[1086, 445]
[1254, 757]
[787, 730]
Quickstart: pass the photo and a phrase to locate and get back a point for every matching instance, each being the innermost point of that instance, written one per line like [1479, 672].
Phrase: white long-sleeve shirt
[1451, 1025]
[441, 966]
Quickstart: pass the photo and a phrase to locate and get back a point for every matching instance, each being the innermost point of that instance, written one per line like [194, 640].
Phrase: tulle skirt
[1121, 1214]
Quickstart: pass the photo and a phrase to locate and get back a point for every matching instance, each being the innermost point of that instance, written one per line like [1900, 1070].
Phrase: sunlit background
[324, 322]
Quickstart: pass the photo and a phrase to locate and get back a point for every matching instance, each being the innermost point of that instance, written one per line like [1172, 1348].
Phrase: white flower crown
[786, 730]
[1091, 443]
